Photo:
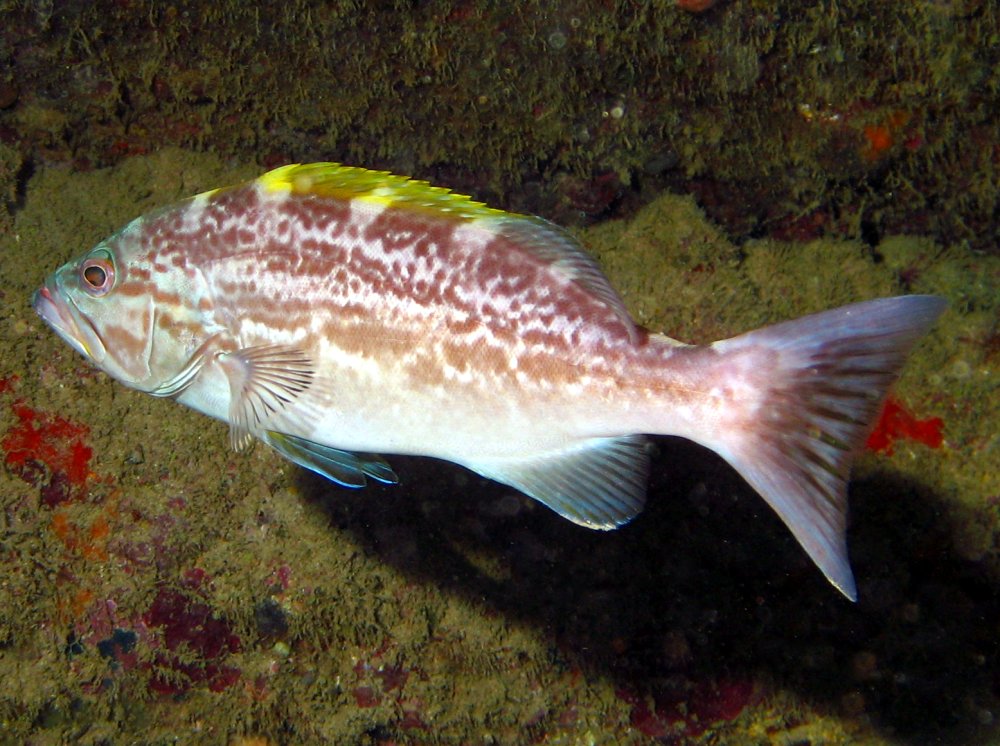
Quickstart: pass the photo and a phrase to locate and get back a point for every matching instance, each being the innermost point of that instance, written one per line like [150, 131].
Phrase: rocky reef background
[728, 169]
[786, 119]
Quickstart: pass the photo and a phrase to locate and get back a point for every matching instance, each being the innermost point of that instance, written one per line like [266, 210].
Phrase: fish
[337, 313]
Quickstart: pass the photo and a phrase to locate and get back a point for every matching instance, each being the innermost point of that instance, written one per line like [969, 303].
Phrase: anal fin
[598, 483]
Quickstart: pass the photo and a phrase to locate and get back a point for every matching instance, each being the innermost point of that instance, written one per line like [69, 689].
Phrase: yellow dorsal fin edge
[377, 187]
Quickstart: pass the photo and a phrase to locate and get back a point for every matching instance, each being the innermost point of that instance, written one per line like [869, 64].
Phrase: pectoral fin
[263, 382]
[597, 483]
[342, 467]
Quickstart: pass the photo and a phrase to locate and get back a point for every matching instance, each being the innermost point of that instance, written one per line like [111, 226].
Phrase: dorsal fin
[379, 187]
[561, 251]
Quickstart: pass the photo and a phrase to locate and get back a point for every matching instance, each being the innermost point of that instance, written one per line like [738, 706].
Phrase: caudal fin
[821, 380]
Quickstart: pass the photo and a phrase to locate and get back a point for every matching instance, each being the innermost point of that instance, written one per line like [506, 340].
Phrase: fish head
[132, 316]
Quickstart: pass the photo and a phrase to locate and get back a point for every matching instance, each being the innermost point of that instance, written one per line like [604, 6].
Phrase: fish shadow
[707, 585]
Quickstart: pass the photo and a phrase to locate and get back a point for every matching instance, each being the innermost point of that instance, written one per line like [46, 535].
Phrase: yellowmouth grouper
[335, 313]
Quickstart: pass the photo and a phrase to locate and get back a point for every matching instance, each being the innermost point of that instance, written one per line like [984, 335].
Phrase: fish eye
[97, 273]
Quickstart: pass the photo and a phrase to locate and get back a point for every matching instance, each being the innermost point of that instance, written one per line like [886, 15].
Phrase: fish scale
[335, 313]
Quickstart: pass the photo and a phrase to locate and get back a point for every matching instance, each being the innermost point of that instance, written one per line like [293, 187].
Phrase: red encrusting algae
[687, 711]
[50, 452]
[896, 422]
[195, 642]
[880, 138]
[695, 6]
[42, 442]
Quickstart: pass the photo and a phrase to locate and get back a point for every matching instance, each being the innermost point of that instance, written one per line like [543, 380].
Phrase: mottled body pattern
[333, 312]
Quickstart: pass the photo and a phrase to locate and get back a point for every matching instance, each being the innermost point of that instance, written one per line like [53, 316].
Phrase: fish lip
[58, 311]
[45, 305]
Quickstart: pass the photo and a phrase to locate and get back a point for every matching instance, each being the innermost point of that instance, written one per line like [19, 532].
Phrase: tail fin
[822, 380]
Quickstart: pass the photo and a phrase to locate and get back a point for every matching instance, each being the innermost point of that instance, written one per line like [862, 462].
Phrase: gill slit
[150, 335]
[185, 377]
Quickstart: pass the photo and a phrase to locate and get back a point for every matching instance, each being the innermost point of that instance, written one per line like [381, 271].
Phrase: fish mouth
[60, 313]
